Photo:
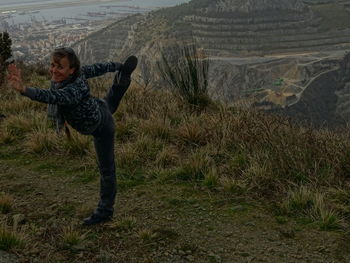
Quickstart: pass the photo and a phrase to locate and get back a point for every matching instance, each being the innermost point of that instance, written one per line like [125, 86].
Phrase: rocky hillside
[260, 27]
[105, 44]
[273, 49]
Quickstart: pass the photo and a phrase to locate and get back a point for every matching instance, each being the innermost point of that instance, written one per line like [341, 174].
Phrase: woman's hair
[74, 62]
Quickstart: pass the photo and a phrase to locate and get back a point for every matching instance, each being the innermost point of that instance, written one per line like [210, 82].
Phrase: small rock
[7, 258]
[238, 208]
[190, 258]
[270, 250]
[249, 224]
[244, 254]
[53, 206]
[18, 219]
[228, 234]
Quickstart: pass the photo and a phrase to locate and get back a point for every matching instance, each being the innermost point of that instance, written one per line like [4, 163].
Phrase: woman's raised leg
[120, 84]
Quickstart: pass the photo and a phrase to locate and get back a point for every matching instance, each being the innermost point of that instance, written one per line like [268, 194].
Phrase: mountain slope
[252, 45]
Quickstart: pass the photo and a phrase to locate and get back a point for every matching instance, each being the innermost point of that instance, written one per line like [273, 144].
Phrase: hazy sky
[8, 2]
[28, 1]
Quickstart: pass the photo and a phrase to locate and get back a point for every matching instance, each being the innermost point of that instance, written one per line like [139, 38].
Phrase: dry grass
[311, 204]
[10, 239]
[127, 156]
[147, 148]
[211, 179]
[17, 125]
[127, 223]
[78, 145]
[168, 156]
[6, 203]
[192, 131]
[157, 128]
[41, 140]
[238, 150]
[71, 236]
[146, 235]
[196, 167]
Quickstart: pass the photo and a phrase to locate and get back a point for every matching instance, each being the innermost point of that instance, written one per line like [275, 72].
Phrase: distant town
[34, 40]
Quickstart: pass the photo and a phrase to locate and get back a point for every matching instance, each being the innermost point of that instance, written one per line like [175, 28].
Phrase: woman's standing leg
[104, 146]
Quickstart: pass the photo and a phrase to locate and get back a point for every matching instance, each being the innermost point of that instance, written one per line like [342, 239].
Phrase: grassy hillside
[213, 185]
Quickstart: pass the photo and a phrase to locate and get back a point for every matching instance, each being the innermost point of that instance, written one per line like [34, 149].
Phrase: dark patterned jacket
[70, 100]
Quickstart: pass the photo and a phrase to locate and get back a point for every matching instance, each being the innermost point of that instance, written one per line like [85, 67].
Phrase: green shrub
[10, 239]
[186, 74]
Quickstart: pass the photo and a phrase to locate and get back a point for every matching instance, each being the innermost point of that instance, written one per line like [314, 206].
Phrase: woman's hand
[15, 78]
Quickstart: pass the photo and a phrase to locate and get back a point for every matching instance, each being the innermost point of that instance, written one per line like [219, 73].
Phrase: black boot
[96, 218]
[124, 75]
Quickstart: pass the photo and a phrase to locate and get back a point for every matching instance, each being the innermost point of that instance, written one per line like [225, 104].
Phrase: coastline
[40, 6]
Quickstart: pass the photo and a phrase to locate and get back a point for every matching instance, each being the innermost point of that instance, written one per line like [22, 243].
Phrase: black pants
[104, 137]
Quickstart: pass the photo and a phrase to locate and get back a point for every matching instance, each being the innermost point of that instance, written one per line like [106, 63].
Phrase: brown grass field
[220, 184]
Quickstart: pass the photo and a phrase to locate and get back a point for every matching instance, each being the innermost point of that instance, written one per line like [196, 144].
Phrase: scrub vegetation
[219, 184]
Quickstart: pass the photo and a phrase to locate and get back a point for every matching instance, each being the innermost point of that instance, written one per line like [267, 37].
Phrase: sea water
[24, 11]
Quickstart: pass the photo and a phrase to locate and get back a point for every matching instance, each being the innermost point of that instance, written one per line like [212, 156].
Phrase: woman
[70, 101]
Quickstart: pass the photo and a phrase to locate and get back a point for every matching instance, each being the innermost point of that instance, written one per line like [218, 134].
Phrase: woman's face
[60, 69]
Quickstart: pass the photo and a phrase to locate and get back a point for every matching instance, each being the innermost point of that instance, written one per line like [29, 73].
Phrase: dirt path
[156, 222]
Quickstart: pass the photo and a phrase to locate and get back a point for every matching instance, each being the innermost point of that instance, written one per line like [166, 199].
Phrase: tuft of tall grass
[238, 163]
[127, 156]
[6, 203]
[139, 104]
[126, 130]
[192, 132]
[168, 156]
[326, 217]
[41, 140]
[211, 179]
[157, 128]
[17, 125]
[187, 74]
[195, 168]
[146, 235]
[310, 204]
[10, 239]
[127, 223]
[147, 148]
[71, 237]
[299, 201]
[18, 105]
[160, 174]
[6, 136]
[77, 145]
[234, 186]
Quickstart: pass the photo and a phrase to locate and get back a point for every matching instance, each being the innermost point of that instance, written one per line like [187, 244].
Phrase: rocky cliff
[106, 44]
[270, 50]
[260, 27]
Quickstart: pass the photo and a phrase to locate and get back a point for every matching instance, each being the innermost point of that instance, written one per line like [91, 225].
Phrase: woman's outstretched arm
[99, 69]
[72, 94]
